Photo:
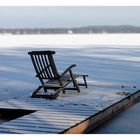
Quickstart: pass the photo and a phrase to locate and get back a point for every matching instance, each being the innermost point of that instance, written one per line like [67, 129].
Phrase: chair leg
[75, 84]
[84, 77]
[45, 90]
[35, 92]
[63, 91]
[84, 81]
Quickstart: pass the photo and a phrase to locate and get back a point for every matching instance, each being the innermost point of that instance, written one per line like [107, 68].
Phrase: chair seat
[64, 80]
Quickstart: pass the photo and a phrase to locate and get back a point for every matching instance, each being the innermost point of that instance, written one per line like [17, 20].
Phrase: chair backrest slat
[41, 67]
[48, 65]
[44, 64]
[37, 64]
[52, 64]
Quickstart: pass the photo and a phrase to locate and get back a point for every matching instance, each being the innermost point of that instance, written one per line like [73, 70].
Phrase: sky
[67, 16]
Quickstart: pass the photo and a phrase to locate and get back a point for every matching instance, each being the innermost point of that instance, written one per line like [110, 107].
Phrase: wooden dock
[38, 117]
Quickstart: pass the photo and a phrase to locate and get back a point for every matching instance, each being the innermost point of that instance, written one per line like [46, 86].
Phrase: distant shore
[74, 30]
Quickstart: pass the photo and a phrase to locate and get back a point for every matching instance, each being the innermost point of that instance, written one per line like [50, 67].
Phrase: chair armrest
[67, 70]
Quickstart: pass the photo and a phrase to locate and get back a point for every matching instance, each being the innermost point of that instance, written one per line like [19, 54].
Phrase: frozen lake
[110, 60]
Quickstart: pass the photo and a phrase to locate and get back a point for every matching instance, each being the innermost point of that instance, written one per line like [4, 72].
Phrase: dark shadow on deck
[10, 114]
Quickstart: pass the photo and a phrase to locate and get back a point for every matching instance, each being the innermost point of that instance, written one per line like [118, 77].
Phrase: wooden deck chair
[49, 77]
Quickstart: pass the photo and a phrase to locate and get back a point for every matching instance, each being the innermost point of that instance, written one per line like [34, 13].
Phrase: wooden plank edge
[99, 118]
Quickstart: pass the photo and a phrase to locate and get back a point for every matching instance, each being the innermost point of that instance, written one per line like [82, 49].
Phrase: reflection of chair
[49, 77]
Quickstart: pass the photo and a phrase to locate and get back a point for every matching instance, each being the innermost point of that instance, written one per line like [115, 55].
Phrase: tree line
[78, 30]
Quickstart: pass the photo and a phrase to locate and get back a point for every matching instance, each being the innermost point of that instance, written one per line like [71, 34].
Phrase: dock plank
[37, 121]
[43, 104]
[36, 107]
[30, 128]
[20, 131]
[42, 125]
[49, 119]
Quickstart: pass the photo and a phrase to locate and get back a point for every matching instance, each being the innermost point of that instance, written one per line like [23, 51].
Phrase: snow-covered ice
[112, 62]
